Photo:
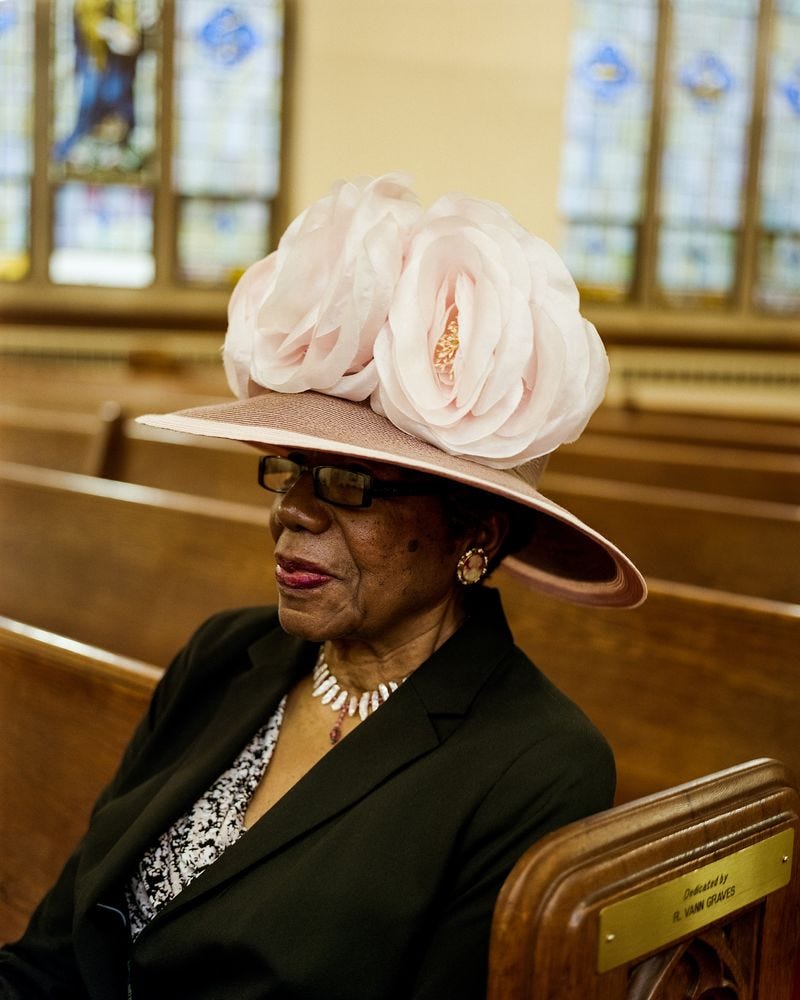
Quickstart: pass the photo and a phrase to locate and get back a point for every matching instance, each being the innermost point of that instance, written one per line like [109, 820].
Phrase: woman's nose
[299, 509]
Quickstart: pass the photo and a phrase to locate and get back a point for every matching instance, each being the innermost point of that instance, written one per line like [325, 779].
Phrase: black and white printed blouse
[201, 835]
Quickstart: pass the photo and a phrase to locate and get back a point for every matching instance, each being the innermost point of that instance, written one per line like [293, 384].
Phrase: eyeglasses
[335, 485]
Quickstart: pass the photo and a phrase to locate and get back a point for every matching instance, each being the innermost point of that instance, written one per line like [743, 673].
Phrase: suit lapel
[385, 743]
[415, 721]
[412, 723]
[132, 822]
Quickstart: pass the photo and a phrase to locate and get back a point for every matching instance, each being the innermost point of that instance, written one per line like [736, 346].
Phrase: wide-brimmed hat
[447, 341]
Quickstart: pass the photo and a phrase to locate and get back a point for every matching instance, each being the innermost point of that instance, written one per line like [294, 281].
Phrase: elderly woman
[325, 798]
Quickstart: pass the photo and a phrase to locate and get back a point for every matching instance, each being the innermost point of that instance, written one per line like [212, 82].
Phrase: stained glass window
[778, 284]
[228, 64]
[672, 193]
[218, 238]
[149, 140]
[607, 119]
[16, 135]
[105, 75]
[103, 235]
[709, 101]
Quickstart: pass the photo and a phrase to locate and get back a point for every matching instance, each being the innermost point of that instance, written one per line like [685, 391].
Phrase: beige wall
[463, 94]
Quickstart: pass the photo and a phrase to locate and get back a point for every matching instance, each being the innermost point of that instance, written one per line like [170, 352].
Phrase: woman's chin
[303, 622]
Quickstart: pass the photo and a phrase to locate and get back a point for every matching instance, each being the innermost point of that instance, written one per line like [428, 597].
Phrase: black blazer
[374, 877]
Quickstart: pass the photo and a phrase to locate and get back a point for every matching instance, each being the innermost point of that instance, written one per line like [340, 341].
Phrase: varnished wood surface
[58, 439]
[225, 469]
[124, 567]
[74, 385]
[545, 935]
[726, 543]
[692, 681]
[721, 431]
[730, 542]
[656, 483]
[728, 471]
[66, 712]
[185, 463]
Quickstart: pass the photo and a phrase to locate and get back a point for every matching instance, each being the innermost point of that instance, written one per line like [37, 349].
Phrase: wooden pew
[66, 712]
[124, 567]
[224, 469]
[700, 538]
[731, 471]
[185, 463]
[80, 386]
[700, 429]
[59, 439]
[690, 682]
[692, 892]
[726, 543]
[704, 678]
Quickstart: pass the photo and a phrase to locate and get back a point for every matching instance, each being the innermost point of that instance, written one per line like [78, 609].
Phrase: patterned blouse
[202, 834]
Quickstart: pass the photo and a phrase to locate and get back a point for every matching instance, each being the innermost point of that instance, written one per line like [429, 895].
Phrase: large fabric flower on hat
[485, 353]
[306, 316]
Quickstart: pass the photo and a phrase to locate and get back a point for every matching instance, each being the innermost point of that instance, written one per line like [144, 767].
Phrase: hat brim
[566, 559]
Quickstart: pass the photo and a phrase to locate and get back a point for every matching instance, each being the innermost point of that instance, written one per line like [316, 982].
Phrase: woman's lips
[296, 574]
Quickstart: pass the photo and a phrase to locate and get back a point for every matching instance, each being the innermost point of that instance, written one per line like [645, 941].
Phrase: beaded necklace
[329, 690]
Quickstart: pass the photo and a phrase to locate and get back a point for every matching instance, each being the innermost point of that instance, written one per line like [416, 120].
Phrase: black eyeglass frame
[372, 487]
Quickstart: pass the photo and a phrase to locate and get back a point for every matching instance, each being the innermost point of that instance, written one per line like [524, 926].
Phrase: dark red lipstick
[298, 574]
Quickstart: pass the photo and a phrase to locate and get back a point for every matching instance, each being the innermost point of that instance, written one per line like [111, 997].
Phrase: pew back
[731, 471]
[58, 439]
[723, 542]
[692, 428]
[726, 543]
[125, 567]
[146, 382]
[696, 885]
[66, 712]
[185, 463]
[224, 469]
[691, 682]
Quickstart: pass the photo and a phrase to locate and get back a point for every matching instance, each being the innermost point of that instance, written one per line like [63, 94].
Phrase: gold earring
[472, 566]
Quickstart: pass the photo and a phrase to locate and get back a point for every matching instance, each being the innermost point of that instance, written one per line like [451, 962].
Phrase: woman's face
[381, 574]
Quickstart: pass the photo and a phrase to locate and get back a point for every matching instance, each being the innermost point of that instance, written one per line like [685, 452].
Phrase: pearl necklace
[328, 688]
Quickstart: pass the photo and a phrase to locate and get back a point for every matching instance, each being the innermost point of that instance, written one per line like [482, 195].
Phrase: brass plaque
[654, 917]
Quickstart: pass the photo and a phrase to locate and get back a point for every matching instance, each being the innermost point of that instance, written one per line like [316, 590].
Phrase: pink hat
[448, 341]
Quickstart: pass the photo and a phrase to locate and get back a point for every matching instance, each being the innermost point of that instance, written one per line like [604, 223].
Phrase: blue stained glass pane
[103, 235]
[778, 282]
[779, 273]
[607, 132]
[728, 8]
[16, 134]
[608, 110]
[707, 80]
[780, 168]
[709, 106]
[228, 71]
[14, 233]
[16, 88]
[218, 239]
[696, 262]
[603, 256]
[708, 114]
[227, 36]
